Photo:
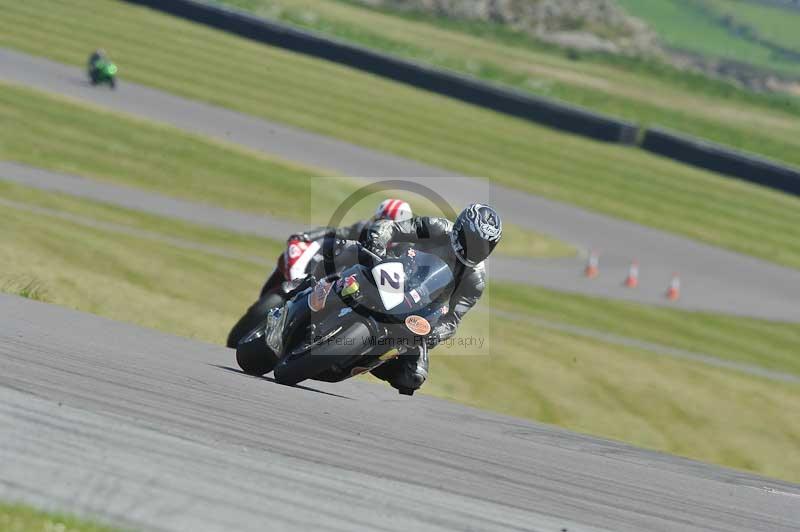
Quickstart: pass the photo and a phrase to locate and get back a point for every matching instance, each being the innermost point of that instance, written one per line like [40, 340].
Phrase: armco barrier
[536, 109]
[723, 160]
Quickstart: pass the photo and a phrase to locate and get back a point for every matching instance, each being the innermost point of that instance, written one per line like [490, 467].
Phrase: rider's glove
[376, 248]
[432, 340]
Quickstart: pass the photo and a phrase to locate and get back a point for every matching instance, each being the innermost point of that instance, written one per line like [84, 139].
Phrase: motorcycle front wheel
[253, 355]
[254, 315]
[338, 350]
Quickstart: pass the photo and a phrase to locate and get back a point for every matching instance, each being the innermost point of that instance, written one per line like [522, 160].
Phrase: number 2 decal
[390, 279]
[393, 282]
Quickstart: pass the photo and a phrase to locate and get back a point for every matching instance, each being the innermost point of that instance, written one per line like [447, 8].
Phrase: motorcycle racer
[101, 68]
[464, 245]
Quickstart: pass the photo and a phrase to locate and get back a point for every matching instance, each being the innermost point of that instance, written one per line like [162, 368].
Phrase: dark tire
[291, 370]
[253, 355]
[254, 315]
[113, 83]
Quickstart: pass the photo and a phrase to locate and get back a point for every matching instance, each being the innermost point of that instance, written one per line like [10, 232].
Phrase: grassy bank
[581, 383]
[642, 90]
[59, 134]
[679, 22]
[629, 394]
[21, 518]
[767, 344]
[276, 84]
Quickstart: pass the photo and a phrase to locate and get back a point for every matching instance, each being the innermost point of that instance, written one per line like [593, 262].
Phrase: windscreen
[427, 277]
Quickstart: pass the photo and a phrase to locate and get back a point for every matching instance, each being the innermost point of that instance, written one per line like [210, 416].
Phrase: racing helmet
[394, 209]
[476, 233]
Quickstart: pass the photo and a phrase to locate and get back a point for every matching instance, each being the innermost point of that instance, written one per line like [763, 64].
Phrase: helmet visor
[473, 249]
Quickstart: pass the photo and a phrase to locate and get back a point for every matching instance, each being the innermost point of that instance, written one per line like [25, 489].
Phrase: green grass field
[580, 383]
[276, 84]
[22, 518]
[775, 24]
[644, 91]
[679, 22]
[58, 134]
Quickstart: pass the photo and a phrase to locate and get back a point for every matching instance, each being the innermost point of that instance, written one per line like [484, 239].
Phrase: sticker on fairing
[415, 296]
[349, 286]
[418, 325]
[390, 279]
[317, 298]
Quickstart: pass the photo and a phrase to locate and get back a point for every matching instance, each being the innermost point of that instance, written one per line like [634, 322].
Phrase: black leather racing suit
[94, 58]
[431, 235]
[92, 64]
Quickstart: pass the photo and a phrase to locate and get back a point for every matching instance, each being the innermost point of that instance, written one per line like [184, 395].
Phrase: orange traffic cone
[674, 289]
[592, 266]
[632, 280]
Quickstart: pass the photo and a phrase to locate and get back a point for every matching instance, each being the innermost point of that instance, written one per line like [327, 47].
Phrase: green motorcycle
[103, 71]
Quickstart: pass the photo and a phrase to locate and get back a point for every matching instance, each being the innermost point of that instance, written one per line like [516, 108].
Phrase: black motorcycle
[348, 323]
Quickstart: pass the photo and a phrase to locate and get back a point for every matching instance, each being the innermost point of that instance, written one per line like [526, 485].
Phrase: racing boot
[407, 372]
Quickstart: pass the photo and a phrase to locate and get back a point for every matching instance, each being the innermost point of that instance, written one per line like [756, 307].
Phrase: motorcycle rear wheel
[338, 350]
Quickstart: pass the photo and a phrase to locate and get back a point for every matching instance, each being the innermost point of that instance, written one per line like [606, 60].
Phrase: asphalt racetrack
[712, 279]
[160, 432]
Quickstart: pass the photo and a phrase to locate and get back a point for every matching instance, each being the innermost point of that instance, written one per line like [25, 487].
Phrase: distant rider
[464, 245]
[97, 55]
[96, 60]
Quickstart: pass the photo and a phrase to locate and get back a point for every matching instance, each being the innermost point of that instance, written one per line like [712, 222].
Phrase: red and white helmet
[394, 209]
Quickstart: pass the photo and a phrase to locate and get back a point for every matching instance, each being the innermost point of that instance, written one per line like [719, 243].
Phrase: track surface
[153, 431]
[712, 279]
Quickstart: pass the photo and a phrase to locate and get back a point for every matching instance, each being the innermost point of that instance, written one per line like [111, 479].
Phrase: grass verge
[374, 112]
[629, 394]
[584, 384]
[767, 344]
[22, 518]
[25, 286]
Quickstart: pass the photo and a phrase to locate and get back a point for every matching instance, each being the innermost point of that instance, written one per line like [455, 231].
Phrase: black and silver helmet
[475, 234]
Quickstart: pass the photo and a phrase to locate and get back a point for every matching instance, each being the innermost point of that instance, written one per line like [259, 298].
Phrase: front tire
[342, 348]
[254, 315]
[253, 355]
